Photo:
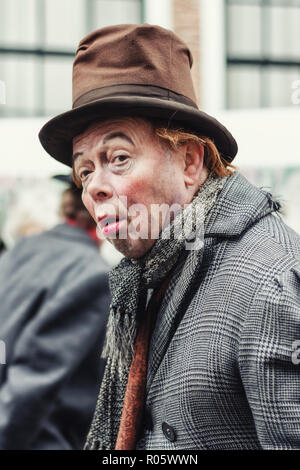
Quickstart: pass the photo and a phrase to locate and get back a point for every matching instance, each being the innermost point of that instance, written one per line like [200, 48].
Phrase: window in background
[262, 52]
[38, 40]
[122, 11]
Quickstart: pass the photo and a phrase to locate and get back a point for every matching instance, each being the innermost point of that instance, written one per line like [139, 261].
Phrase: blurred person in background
[2, 246]
[32, 210]
[54, 300]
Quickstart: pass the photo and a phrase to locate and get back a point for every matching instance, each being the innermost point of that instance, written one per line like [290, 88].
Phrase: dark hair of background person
[72, 208]
[2, 246]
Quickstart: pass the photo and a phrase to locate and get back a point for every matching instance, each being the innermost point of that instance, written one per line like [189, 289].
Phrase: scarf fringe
[120, 337]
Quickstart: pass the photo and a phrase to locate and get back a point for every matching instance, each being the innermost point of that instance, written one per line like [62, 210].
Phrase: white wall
[159, 12]
[21, 153]
[266, 137]
[212, 55]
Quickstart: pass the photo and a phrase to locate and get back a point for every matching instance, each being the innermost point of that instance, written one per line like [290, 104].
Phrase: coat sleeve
[269, 360]
[55, 338]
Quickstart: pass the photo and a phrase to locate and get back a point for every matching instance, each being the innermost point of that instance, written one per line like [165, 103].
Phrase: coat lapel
[182, 286]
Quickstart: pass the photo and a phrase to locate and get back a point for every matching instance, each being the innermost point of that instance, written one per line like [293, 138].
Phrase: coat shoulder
[269, 243]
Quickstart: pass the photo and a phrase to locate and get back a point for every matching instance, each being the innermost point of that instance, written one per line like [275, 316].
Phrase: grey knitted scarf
[129, 283]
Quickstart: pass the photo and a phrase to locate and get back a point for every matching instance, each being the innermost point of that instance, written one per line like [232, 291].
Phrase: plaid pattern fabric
[220, 369]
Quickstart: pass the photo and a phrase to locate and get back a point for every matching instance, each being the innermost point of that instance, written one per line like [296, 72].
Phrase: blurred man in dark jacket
[2, 247]
[54, 300]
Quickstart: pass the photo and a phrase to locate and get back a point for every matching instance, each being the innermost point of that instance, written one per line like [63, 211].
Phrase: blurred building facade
[246, 72]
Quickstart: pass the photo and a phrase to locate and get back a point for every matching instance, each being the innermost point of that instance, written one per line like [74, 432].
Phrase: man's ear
[194, 164]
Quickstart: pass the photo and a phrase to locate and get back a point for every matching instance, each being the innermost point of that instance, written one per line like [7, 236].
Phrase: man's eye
[84, 174]
[120, 159]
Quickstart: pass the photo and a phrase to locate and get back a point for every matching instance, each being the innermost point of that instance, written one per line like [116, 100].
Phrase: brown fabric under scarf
[135, 391]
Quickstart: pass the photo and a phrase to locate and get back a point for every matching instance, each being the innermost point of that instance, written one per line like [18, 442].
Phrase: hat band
[141, 91]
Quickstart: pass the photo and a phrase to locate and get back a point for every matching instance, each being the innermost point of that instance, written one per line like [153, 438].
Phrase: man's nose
[100, 187]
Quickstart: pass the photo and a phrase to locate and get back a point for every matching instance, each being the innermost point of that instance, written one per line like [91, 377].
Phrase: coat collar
[239, 205]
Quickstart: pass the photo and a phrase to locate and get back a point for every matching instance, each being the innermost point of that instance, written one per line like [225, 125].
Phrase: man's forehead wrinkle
[76, 156]
[82, 137]
[94, 138]
[116, 135]
[86, 141]
[116, 125]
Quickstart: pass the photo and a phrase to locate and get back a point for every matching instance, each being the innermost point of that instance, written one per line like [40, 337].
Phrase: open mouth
[111, 220]
[111, 226]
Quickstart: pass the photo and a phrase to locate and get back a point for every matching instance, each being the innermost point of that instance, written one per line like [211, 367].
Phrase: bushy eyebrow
[112, 135]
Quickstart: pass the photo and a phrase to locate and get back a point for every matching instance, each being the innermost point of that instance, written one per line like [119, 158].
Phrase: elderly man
[205, 304]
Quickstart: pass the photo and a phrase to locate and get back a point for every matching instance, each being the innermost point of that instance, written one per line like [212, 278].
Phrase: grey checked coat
[221, 374]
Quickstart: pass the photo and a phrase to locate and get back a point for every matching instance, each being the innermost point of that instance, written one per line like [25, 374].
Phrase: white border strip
[2, 92]
[213, 55]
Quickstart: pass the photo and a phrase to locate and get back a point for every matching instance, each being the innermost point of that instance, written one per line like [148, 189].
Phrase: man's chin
[132, 248]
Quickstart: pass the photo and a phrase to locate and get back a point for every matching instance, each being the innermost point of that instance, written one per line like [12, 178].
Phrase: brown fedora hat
[132, 70]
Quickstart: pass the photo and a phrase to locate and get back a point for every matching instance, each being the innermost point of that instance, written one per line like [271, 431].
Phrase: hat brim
[56, 135]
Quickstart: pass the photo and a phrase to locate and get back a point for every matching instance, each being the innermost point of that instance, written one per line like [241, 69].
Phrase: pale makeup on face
[122, 158]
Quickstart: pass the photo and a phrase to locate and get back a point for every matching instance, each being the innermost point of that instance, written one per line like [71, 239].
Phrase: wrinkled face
[127, 175]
